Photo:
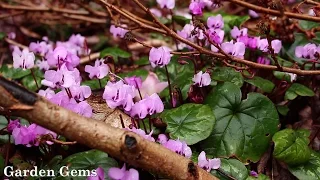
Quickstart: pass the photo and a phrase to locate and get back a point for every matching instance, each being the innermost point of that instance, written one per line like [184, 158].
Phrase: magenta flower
[201, 79]
[215, 22]
[23, 60]
[307, 51]
[151, 85]
[208, 164]
[40, 47]
[61, 56]
[236, 32]
[122, 174]
[134, 81]
[234, 49]
[61, 78]
[98, 176]
[196, 8]
[149, 105]
[169, 4]
[13, 124]
[142, 133]
[177, 146]
[77, 40]
[82, 108]
[119, 95]
[99, 70]
[263, 45]
[162, 138]
[216, 35]
[263, 60]
[80, 92]
[159, 56]
[43, 65]
[118, 31]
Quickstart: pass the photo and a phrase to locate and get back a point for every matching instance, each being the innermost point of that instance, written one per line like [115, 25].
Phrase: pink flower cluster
[308, 51]
[28, 135]
[177, 146]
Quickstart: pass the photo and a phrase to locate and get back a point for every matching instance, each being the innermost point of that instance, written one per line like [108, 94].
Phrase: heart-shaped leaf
[243, 128]
[292, 146]
[309, 170]
[233, 168]
[297, 89]
[263, 84]
[227, 74]
[190, 122]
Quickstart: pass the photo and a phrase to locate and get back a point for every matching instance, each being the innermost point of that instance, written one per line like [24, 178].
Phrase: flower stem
[170, 90]
[100, 83]
[34, 77]
[144, 126]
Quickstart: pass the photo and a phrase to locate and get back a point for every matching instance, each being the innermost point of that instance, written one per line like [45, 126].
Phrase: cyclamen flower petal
[118, 31]
[61, 78]
[119, 94]
[254, 174]
[276, 45]
[166, 3]
[40, 47]
[25, 60]
[48, 93]
[134, 81]
[216, 35]
[156, 12]
[235, 32]
[13, 124]
[307, 51]
[77, 40]
[151, 85]
[99, 70]
[62, 56]
[235, 49]
[99, 175]
[142, 133]
[253, 14]
[179, 147]
[43, 65]
[80, 92]
[215, 22]
[149, 105]
[208, 164]
[159, 56]
[201, 79]
[195, 8]
[263, 45]
[162, 138]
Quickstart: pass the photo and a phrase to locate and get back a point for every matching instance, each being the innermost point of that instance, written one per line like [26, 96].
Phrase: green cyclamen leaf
[292, 146]
[243, 128]
[309, 170]
[189, 122]
[297, 89]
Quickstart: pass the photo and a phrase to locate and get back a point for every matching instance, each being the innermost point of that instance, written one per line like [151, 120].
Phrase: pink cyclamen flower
[254, 174]
[159, 56]
[123, 174]
[118, 31]
[119, 95]
[263, 45]
[208, 164]
[48, 93]
[40, 47]
[307, 51]
[169, 4]
[99, 70]
[263, 60]
[62, 56]
[99, 175]
[236, 32]
[215, 22]
[196, 8]
[162, 138]
[43, 65]
[177, 146]
[201, 79]
[151, 85]
[149, 105]
[61, 78]
[216, 35]
[82, 108]
[156, 12]
[134, 81]
[13, 124]
[80, 92]
[77, 40]
[25, 60]
[234, 49]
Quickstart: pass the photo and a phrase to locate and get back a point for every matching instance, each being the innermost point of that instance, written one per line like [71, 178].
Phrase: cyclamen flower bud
[166, 3]
[159, 56]
[201, 79]
[23, 60]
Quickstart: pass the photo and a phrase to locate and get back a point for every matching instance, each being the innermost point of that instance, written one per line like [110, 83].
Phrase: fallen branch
[124, 145]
